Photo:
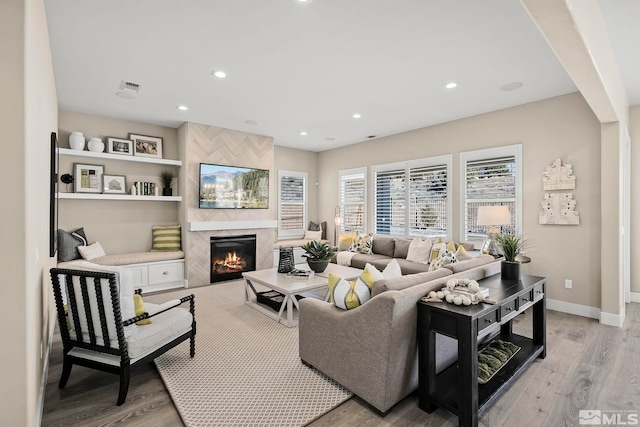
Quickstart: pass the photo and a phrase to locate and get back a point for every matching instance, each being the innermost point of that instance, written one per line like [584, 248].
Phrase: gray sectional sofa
[371, 350]
[387, 248]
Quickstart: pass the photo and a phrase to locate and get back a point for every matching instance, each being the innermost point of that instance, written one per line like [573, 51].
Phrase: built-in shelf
[91, 154]
[98, 196]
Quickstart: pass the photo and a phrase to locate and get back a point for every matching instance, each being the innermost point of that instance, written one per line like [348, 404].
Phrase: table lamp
[493, 216]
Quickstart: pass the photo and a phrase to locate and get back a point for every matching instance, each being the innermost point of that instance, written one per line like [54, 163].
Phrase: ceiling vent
[128, 90]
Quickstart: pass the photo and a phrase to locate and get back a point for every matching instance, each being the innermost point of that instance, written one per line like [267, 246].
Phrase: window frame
[294, 233]
[514, 150]
[348, 172]
[407, 166]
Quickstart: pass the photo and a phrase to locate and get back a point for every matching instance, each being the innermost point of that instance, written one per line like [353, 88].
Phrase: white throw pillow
[92, 251]
[419, 251]
[391, 271]
[313, 235]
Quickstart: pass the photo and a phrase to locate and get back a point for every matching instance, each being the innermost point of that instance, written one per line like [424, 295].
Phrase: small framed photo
[87, 178]
[120, 146]
[146, 146]
[113, 184]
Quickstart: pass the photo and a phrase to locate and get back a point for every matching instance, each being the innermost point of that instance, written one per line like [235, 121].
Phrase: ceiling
[295, 67]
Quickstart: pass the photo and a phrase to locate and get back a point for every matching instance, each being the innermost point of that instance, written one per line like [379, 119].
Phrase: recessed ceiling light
[182, 107]
[251, 122]
[356, 116]
[304, 1]
[303, 133]
[219, 74]
[451, 85]
[512, 86]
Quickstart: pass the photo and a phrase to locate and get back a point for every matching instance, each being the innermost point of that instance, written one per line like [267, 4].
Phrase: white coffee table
[289, 287]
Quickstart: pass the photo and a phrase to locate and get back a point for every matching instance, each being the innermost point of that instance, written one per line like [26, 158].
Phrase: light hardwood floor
[588, 366]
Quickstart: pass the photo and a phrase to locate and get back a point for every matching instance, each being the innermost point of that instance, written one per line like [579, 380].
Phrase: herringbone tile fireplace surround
[208, 144]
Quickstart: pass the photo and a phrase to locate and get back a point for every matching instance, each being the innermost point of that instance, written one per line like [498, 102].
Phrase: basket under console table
[456, 388]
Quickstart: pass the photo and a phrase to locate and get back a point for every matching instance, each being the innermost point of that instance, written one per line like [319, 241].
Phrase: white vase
[96, 145]
[76, 141]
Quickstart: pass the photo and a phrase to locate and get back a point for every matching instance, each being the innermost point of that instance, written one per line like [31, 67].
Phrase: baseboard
[635, 296]
[571, 308]
[45, 371]
[586, 311]
[612, 319]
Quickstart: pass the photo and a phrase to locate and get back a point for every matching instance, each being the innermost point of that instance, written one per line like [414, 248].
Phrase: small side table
[456, 388]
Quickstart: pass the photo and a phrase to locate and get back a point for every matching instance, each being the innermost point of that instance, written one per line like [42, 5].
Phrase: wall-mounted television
[233, 187]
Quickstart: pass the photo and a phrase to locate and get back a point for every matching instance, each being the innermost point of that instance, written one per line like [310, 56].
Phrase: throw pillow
[92, 251]
[345, 240]
[446, 257]
[348, 295]
[166, 238]
[391, 271]
[451, 246]
[139, 307]
[436, 249]
[362, 243]
[319, 227]
[313, 235]
[439, 240]
[419, 251]
[68, 244]
[462, 254]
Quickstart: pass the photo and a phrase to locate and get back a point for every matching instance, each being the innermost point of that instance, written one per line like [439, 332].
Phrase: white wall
[562, 127]
[634, 131]
[29, 112]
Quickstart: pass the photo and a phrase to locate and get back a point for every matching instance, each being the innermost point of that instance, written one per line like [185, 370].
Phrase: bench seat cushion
[137, 257]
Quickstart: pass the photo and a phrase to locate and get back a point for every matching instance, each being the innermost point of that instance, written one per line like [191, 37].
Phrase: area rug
[246, 371]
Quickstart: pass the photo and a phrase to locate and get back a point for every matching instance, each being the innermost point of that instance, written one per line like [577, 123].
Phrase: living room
[582, 128]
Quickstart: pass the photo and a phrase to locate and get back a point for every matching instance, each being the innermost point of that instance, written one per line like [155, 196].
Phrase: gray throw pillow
[68, 244]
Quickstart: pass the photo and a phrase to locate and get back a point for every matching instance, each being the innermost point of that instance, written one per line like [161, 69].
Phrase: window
[488, 178]
[413, 198]
[353, 199]
[292, 206]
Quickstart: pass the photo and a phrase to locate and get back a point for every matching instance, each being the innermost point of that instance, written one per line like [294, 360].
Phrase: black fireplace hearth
[231, 256]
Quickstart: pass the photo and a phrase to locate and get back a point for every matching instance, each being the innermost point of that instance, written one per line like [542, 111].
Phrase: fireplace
[231, 256]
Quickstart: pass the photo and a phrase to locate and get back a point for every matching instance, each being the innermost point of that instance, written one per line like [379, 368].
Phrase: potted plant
[166, 178]
[511, 244]
[318, 255]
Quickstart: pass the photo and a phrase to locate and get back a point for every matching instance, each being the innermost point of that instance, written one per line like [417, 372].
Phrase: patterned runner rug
[246, 371]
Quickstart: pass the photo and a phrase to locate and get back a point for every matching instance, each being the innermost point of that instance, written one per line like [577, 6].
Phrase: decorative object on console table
[493, 216]
[120, 146]
[76, 141]
[286, 263]
[147, 146]
[337, 220]
[96, 145]
[511, 245]
[87, 178]
[318, 255]
[166, 178]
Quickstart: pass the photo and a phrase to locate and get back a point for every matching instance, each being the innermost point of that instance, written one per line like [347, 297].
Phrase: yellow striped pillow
[166, 238]
[348, 295]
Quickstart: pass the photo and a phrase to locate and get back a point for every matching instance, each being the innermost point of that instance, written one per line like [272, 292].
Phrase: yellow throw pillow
[435, 250]
[451, 246]
[348, 295]
[439, 240]
[345, 240]
[462, 254]
[139, 307]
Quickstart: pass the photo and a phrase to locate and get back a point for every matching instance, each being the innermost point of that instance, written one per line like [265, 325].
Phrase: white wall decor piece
[558, 208]
[558, 177]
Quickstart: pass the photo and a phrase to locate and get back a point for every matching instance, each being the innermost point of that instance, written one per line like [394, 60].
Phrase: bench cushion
[138, 257]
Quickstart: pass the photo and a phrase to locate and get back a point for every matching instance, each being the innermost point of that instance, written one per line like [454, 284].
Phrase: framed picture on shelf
[113, 184]
[87, 178]
[120, 146]
[146, 146]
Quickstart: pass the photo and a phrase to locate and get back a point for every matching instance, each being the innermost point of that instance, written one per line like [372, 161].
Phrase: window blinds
[292, 203]
[352, 200]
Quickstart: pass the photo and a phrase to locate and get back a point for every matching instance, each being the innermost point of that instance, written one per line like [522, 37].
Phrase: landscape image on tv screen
[231, 187]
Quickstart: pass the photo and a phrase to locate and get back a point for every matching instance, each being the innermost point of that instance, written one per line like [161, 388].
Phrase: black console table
[456, 388]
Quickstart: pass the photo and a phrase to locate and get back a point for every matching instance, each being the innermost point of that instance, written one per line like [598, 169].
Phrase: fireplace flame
[232, 262]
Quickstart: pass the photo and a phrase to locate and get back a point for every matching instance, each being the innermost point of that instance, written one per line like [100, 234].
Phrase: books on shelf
[144, 189]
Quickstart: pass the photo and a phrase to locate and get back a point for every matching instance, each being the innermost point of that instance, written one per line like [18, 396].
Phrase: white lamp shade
[494, 215]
